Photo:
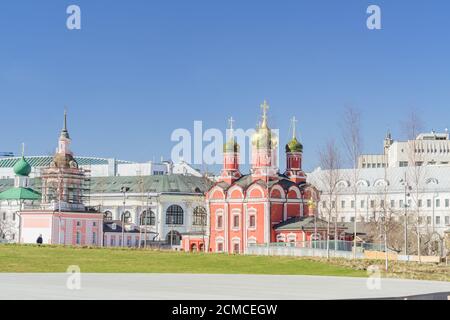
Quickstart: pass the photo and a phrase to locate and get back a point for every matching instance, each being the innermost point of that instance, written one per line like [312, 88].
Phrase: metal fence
[341, 249]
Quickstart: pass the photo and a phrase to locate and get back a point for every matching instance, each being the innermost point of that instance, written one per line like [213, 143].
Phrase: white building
[427, 149]
[101, 167]
[378, 188]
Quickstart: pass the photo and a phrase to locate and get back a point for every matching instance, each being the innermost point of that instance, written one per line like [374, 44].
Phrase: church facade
[62, 218]
[263, 206]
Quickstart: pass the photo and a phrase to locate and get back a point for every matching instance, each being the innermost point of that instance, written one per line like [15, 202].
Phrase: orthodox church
[264, 206]
[62, 218]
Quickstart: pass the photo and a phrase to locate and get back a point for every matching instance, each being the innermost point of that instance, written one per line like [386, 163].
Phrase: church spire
[265, 107]
[64, 131]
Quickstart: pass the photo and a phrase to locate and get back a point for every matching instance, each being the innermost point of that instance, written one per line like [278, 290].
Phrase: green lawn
[57, 259]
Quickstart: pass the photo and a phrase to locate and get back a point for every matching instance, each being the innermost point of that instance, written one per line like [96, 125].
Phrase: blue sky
[140, 69]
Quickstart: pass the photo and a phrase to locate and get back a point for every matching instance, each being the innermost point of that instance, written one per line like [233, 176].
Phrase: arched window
[148, 218]
[199, 217]
[108, 216]
[175, 215]
[126, 217]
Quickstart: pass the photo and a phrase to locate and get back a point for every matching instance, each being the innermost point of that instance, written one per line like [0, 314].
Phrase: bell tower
[264, 149]
[294, 154]
[231, 149]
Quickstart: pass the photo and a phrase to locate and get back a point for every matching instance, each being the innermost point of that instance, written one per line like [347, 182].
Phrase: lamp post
[312, 207]
[124, 191]
[408, 189]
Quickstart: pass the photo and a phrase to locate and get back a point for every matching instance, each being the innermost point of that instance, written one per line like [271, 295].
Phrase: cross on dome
[265, 107]
[294, 122]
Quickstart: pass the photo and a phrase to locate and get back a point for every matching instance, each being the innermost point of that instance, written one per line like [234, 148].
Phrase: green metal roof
[153, 184]
[20, 194]
[143, 184]
[45, 161]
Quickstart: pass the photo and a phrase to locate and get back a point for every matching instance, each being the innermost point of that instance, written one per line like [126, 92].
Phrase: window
[438, 220]
[175, 215]
[126, 217]
[343, 204]
[352, 219]
[219, 221]
[4, 216]
[447, 203]
[252, 221]
[382, 203]
[94, 224]
[94, 238]
[200, 217]
[14, 216]
[78, 223]
[236, 220]
[148, 218]
[447, 220]
[438, 203]
[403, 164]
[392, 203]
[113, 241]
[402, 204]
[363, 204]
[108, 216]
[352, 204]
[420, 203]
[372, 204]
[219, 247]
[333, 204]
[429, 203]
[428, 220]
[236, 248]
[78, 238]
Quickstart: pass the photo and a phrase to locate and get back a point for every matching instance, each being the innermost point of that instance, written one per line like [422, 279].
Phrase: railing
[342, 249]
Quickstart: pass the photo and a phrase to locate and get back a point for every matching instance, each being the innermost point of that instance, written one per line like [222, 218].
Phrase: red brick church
[264, 206]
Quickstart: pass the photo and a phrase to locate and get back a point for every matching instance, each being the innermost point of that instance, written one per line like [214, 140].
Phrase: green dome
[294, 146]
[231, 146]
[22, 168]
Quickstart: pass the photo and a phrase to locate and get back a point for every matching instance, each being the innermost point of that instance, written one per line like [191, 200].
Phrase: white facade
[160, 226]
[377, 188]
[427, 149]
[102, 167]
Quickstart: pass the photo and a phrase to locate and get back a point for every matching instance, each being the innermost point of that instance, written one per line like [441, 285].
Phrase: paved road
[206, 287]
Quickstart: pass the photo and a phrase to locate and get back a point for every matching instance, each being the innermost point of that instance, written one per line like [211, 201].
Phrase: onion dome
[231, 146]
[64, 161]
[22, 168]
[264, 138]
[294, 146]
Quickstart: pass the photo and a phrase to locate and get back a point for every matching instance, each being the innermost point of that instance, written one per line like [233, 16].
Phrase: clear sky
[139, 69]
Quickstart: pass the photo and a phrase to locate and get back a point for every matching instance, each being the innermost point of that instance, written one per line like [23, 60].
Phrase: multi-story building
[403, 191]
[427, 149]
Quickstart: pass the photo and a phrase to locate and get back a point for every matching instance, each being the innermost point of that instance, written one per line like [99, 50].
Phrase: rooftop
[45, 161]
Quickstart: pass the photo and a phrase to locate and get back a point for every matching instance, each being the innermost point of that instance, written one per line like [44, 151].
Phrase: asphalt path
[206, 287]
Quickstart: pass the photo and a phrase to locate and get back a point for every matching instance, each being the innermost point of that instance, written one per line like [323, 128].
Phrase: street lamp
[408, 189]
[312, 207]
[124, 191]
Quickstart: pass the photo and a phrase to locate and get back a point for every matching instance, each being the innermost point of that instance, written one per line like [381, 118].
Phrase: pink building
[63, 219]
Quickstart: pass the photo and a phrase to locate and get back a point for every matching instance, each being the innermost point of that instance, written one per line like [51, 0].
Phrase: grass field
[57, 259]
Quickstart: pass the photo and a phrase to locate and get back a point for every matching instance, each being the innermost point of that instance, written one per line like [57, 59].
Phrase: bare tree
[330, 162]
[415, 172]
[353, 144]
